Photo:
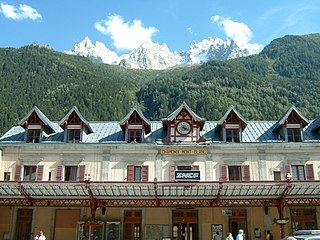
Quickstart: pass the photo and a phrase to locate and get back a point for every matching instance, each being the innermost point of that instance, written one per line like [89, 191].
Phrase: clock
[183, 127]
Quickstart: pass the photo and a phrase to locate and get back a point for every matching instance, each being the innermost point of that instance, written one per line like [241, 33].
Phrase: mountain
[213, 49]
[151, 55]
[97, 52]
[261, 86]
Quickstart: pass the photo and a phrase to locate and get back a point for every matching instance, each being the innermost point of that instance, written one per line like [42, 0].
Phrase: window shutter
[287, 170]
[82, 169]
[130, 173]
[195, 167]
[145, 173]
[172, 169]
[39, 173]
[309, 171]
[246, 173]
[223, 173]
[17, 175]
[59, 173]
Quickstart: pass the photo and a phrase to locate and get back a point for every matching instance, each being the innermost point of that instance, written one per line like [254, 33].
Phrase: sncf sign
[187, 175]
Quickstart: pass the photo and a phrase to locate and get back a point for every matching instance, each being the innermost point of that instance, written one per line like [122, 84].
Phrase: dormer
[74, 126]
[290, 126]
[183, 125]
[135, 126]
[35, 125]
[231, 126]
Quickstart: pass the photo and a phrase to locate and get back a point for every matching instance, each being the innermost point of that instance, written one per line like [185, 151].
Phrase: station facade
[181, 177]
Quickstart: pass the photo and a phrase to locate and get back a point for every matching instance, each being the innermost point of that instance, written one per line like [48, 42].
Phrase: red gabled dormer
[35, 124]
[135, 126]
[74, 124]
[231, 126]
[183, 125]
[290, 126]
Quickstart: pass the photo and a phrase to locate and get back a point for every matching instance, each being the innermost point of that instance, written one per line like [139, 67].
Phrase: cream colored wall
[42, 218]
[5, 220]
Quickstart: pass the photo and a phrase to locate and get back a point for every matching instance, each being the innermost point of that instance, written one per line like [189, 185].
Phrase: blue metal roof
[111, 132]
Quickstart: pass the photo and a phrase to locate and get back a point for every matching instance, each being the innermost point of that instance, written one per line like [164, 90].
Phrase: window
[234, 173]
[294, 135]
[305, 218]
[297, 172]
[74, 135]
[137, 173]
[33, 135]
[29, 173]
[70, 173]
[135, 135]
[277, 175]
[232, 135]
[7, 176]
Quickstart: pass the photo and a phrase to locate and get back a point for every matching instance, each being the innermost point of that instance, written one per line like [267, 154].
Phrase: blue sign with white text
[187, 175]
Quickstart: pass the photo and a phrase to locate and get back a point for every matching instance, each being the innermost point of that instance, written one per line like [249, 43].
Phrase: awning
[159, 194]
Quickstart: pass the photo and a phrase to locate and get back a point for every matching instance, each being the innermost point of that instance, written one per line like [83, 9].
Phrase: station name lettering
[184, 151]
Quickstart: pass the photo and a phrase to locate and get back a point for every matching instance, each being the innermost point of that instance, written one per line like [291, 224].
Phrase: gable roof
[75, 110]
[174, 114]
[244, 123]
[283, 120]
[147, 123]
[48, 127]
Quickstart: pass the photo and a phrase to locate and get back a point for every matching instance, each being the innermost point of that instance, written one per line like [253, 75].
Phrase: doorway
[185, 225]
[132, 224]
[23, 224]
[237, 221]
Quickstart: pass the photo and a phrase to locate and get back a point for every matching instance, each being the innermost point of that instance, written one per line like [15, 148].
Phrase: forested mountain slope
[264, 86]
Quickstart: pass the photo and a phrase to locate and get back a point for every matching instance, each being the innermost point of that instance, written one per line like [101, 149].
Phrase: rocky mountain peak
[150, 55]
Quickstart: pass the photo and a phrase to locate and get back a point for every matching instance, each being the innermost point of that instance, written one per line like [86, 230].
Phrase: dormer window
[232, 135]
[135, 126]
[74, 135]
[74, 126]
[135, 135]
[294, 135]
[290, 127]
[33, 129]
[231, 126]
[36, 124]
[34, 135]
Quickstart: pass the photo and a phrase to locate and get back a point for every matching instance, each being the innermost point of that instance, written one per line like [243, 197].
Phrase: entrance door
[132, 224]
[23, 224]
[237, 221]
[185, 225]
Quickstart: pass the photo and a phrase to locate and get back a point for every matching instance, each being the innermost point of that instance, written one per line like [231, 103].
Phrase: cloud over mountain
[125, 35]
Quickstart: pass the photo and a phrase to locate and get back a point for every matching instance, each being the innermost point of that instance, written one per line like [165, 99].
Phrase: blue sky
[122, 25]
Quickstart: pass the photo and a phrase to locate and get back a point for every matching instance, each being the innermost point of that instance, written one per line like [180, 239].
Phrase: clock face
[183, 127]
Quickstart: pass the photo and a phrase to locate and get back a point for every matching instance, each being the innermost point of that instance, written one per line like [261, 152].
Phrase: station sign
[187, 175]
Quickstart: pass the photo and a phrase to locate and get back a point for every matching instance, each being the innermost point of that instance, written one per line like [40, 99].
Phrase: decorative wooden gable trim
[231, 125]
[292, 119]
[183, 125]
[135, 118]
[135, 126]
[74, 119]
[35, 119]
[232, 119]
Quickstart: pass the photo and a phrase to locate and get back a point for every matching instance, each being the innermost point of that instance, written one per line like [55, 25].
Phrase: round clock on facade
[183, 127]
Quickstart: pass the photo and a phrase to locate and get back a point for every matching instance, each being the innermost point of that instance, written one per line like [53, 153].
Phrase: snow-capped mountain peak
[150, 55]
[97, 52]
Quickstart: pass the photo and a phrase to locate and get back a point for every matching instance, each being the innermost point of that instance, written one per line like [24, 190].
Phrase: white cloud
[19, 13]
[125, 35]
[238, 31]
